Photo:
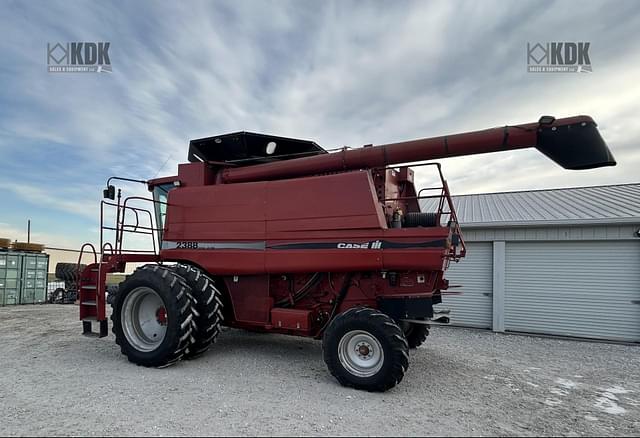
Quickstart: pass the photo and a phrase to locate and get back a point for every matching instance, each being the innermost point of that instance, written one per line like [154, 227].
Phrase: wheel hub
[161, 316]
[364, 350]
[360, 353]
[144, 319]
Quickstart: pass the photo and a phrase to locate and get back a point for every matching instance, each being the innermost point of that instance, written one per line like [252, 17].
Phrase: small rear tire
[416, 334]
[365, 349]
[152, 317]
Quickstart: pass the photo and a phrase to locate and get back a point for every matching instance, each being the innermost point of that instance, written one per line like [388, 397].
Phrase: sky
[339, 73]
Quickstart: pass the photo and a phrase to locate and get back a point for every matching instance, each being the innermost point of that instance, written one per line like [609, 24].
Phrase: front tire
[365, 349]
[152, 317]
[206, 307]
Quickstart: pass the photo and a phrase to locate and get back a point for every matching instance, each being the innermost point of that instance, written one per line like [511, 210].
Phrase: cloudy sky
[340, 73]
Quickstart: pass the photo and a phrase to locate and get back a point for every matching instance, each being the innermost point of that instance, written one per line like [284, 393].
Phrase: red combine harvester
[277, 235]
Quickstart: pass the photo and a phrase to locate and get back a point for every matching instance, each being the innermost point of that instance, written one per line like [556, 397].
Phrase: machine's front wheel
[366, 349]
[152, 316]
[206, 306]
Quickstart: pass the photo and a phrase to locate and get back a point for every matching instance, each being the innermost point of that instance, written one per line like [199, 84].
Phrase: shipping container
[23, 277]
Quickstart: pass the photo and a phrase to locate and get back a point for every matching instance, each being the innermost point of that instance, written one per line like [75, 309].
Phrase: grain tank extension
[277, 235]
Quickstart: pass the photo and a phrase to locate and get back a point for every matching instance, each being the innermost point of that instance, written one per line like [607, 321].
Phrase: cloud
[340, 73]
[50, 199]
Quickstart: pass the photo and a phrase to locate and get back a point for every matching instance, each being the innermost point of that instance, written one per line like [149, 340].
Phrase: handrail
[140, 198]
[95, 257]
[105, 246]
[95, 254]
[121, 226]
[443, 197]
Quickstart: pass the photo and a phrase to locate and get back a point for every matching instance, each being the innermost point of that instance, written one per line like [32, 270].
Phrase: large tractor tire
[152, 316]
[68, 271]
[416, 334]
[365, 349]
[206, 306]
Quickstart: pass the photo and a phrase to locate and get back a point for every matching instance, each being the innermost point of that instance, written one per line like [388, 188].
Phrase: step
[89, 303]
[89, 287]
[91, 319]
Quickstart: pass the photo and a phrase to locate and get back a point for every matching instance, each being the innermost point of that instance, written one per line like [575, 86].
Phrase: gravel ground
[53, 381]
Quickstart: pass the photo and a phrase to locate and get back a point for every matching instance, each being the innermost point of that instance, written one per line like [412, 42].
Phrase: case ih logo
[78, 57]
[377, 244]
[558, 58]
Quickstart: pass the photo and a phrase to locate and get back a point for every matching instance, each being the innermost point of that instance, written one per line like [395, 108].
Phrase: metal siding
[474, 308]
[589, 233]
[579, 205]
[583, 289]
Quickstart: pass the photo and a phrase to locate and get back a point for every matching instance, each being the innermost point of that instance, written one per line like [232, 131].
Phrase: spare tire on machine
[68, 271]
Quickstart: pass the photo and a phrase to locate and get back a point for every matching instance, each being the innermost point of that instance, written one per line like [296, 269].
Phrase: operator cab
[160, 198]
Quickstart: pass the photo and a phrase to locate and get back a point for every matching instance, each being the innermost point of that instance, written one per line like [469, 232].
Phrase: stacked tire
[68, 271]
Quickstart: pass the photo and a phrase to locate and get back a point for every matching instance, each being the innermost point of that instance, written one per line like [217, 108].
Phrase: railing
[445, 212]
[95, 257]
[146, 227]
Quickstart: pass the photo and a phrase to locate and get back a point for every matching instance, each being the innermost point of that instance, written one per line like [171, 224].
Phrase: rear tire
[206, 307]
[365, 349]
[416, 334]
[152, 317]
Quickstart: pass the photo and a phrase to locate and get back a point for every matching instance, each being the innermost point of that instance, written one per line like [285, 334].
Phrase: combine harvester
[277, 235]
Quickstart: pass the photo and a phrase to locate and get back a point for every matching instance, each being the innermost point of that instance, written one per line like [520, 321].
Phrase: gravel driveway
[53, 381]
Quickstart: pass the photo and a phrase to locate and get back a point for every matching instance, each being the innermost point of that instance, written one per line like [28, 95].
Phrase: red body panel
[313, 211]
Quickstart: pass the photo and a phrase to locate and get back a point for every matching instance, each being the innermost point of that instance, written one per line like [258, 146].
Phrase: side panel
[331, 223]
[250, 297]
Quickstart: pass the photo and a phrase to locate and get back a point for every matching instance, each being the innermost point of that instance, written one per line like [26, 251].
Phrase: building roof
[612, 204]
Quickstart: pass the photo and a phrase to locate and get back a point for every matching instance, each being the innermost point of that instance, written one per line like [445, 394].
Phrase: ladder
[91, 296]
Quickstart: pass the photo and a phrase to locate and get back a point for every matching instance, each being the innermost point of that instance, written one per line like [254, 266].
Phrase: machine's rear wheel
[207, 309]
[152, 316]
[416, 334]
[366, 349]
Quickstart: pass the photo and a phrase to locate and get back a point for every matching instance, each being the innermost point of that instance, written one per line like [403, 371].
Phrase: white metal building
[559, 262]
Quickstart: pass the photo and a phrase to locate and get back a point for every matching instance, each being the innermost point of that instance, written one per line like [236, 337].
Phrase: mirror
[109, 193]
[271, 147]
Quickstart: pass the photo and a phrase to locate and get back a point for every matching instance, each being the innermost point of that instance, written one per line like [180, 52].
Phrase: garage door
[584, 289]
[474, 308]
